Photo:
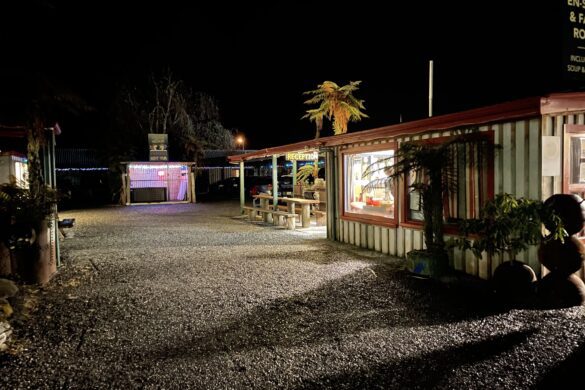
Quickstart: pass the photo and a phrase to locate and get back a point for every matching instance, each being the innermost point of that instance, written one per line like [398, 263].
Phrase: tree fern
[335, 103]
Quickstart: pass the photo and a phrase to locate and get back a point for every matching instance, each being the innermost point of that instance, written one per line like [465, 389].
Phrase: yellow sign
[302, 156]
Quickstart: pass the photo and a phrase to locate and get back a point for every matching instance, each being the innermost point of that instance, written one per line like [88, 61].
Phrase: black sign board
[573, 14]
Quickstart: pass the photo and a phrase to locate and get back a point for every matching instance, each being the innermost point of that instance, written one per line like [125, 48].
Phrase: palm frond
[305, 172]
[336, 103]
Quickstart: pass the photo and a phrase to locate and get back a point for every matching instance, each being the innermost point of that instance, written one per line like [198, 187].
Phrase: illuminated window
[368, 189]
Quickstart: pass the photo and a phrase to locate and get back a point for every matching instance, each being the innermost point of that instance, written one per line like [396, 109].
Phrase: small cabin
[540, 151]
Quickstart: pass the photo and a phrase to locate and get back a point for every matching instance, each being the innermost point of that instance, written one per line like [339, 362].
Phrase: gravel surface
[186, 296]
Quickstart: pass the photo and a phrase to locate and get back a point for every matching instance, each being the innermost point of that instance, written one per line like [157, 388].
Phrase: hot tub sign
[158, 144]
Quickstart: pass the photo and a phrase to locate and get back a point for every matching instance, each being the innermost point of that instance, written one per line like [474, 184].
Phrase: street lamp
[240, 141]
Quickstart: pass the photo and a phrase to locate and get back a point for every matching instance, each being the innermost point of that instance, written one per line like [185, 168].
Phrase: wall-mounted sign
[573, 14]
[551, 155]
[158, 144]
[302, 156]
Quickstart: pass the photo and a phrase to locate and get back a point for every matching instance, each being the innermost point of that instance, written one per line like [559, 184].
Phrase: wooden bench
[66, 223]
[298, 210]
[282, 217]
[320, 217]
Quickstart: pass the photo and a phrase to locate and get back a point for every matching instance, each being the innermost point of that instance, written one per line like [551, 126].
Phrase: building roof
[517, 109]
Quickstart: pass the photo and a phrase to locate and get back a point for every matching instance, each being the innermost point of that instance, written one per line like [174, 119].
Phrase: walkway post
[242, 192]
[330, 192]
[274, 182]
[294, 176]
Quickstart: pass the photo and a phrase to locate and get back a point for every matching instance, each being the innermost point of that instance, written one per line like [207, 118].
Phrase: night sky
[257, 58]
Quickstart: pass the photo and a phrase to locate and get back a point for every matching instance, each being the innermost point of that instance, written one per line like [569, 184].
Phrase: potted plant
[23, 218]
[431, 164]
[506, 227]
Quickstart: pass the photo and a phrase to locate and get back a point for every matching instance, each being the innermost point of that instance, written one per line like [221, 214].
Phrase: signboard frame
[158, 147]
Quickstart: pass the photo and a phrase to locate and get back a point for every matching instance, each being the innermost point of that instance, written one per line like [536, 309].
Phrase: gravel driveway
[186, 296]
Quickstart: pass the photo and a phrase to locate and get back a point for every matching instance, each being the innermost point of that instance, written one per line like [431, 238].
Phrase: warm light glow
[240, 141]
[161, 173]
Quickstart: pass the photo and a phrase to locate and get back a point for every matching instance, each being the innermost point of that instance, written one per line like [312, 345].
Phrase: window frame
[449, 227]
[571, 131]
[365, 218]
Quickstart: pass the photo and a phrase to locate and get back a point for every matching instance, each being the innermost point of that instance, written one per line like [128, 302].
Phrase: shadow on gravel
[567, 373]
[427, 371]
[369, 299]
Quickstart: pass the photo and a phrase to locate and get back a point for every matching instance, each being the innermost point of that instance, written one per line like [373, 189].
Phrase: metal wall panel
[517, 170]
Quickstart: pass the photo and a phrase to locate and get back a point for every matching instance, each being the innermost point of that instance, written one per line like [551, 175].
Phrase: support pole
[274, 182]
[430, 88]
[56, 212]
[330, 191]
[53, 166]
[192, 192]
[294, 176]
[127, 183]
[242, 192]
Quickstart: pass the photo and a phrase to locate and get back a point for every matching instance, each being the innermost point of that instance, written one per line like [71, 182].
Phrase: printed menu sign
[573, 14]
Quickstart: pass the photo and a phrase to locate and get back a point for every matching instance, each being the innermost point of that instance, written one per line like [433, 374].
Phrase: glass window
[414, 204]
[466, 182]
[368, 189]
[577, 156]
[574, 163]
[574, 160]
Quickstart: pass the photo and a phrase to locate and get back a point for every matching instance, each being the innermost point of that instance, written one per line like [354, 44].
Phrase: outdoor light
[240, 141]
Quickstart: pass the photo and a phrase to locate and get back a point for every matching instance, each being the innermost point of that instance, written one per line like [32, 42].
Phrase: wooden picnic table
[264, 204]
[291, 203]
[305, 207]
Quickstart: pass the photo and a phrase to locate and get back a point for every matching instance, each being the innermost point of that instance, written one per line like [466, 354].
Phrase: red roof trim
[10, 133]
[518, 109]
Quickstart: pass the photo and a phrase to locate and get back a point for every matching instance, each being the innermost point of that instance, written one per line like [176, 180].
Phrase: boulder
[557, 291]
[563, 257]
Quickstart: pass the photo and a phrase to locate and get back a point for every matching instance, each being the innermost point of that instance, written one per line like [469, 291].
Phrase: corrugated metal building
[539, 154]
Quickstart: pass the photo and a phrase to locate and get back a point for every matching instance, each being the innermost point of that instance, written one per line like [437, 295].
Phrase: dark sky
[257, 58]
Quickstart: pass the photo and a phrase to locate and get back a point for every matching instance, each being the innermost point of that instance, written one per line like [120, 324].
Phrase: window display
[368, 188]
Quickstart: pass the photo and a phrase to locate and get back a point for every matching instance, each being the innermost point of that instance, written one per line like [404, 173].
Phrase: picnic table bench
[282, 217]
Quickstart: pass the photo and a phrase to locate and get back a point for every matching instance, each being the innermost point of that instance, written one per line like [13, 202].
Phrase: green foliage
[304, 172]
[337, 103]
[21, 210]
[434, 167]
[424, 160]
[508, 225]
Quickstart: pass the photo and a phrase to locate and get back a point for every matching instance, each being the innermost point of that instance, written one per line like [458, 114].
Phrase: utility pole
[430, 88]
